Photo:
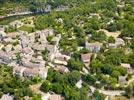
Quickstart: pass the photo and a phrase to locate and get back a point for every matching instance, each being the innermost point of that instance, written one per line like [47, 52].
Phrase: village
[32, 54]
[66, 50]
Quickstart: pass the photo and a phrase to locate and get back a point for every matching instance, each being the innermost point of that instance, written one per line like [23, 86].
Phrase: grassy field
[28, 29]
[6, 21]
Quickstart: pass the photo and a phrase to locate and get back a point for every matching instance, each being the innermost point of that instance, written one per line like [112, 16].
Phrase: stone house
[27, 51]
[31, 37]
[8, 40]
[112, 45]
[62, 69]
[122, 80]
[2, 35]
[5, 57]
[93, 47]
[60, 60]
[13, 35]
[30, 64]
[47, 32]
[127, 67]
[22, 71]
[17, 48]
[8, 48]
[38, 47]
[85, 58]
[43, 72]
[30, 72]
[24, 39]
[18, 70]
[6, 97]
[41, 37]
[119, 42]
[52, 51]
[55, 97]
[79, 84]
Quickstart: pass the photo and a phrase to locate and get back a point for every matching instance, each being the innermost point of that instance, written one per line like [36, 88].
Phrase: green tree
[107, 69]
[122, 70]
[114, 56]
[45, 54]
[132, 43]
[46, 86]
[92, 24]
[111, 39]
[112, 27]
[98, 96]
[73, 77]
[116, 74]
[57, 88]
[95, 66]
[130, 90]
[75, 64]
[89, 79]
[99, 36]
[131, 59]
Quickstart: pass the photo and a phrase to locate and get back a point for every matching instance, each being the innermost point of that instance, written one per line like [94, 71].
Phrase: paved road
[30, 13]
[112, 92]
[108, 92]
[20, 14]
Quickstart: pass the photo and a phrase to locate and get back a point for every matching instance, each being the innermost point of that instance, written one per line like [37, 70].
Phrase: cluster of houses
[95, 47]
[45, 97]
[118, 42]
[23, 52]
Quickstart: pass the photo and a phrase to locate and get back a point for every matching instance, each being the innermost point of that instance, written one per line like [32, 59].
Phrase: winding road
[112, 92]
[108, 92]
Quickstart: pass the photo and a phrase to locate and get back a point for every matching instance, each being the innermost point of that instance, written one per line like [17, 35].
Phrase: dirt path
[113, 34]
[112, 92]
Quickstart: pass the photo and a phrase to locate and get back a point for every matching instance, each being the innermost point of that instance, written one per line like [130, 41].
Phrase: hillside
[14, 6]
[80, 50]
